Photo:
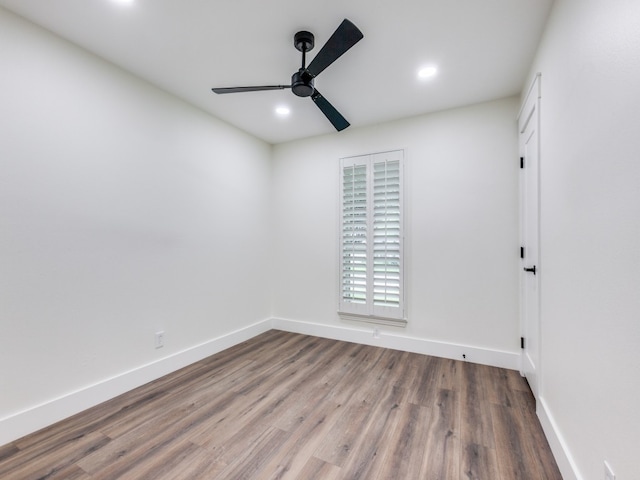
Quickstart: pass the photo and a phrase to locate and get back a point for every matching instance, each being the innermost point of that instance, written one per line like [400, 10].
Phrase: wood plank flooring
[284, 405]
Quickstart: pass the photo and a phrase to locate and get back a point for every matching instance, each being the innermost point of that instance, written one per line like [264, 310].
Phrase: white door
[529, 127]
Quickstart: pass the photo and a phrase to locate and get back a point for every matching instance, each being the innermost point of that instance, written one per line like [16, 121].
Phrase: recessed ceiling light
[427, 72]
[283, 111]
[123, 2]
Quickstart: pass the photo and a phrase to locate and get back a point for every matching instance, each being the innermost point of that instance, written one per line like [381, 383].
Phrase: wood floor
[284, 405]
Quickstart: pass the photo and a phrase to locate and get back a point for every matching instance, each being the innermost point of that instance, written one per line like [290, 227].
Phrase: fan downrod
[302, 80]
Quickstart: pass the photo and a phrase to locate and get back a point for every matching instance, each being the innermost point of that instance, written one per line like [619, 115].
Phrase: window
[371, 238]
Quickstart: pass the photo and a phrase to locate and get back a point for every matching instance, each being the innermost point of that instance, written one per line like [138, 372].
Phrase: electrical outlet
[160, 339]
[608, 472]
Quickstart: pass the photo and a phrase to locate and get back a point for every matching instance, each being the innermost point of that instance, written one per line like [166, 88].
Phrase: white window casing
[372, 238]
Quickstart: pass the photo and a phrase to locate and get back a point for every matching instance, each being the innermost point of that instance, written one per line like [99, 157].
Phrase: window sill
[352, 317]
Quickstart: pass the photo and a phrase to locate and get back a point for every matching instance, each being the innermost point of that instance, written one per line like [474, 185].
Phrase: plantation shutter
[387, 240]
[371, 237]
[354, 267]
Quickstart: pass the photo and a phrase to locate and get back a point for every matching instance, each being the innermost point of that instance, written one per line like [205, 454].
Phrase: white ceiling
[483, 50]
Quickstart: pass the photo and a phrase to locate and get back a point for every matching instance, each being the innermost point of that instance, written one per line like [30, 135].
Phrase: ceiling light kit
[302, 81]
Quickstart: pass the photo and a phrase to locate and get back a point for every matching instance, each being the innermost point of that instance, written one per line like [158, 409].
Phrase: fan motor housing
[302, 83]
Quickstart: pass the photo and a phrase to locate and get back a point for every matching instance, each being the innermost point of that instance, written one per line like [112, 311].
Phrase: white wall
[122, 211]
[462, 219]
[590, 233]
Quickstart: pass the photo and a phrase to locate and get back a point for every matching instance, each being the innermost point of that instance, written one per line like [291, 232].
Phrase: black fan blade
[249, 89]
[345, 37]
[329, 111]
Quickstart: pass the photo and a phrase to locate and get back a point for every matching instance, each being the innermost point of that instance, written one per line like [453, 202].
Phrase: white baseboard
[495, 358]
[50, 412]
[561, 452]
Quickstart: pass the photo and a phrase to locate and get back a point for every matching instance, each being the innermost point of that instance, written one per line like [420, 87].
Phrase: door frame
[530, 106]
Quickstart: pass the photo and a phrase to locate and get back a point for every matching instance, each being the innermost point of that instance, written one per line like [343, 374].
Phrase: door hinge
[522, 343]
[521, 162]
[521, 252]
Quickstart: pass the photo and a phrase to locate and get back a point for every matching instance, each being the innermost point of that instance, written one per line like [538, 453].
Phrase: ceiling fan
[302, 81]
